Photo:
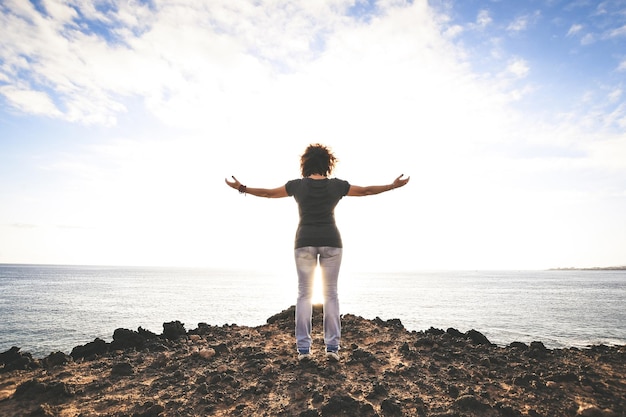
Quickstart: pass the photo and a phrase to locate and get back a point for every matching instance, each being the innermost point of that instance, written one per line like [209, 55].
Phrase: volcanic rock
[384, 371]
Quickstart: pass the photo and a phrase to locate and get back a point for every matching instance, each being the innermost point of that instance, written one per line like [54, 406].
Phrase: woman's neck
[317, 177]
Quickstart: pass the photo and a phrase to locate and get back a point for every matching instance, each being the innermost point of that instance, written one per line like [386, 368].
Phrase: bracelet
[242, 189]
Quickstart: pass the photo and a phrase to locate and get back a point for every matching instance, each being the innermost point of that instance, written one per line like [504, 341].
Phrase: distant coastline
[597, 268]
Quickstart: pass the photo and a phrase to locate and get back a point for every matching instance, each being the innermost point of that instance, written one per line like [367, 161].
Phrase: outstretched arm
[259, 192]
[357, 191]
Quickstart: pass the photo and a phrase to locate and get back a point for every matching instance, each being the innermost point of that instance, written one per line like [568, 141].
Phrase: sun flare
[318, 296]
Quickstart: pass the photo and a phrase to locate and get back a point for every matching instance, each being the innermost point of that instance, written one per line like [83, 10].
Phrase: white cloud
[59, 11]
[454, 31]
[191, 63]
[241, 80]
[185, 46]
[615, 95]
[575, 29]
[518, 67]
[28, 101]
[483, 19]
[618, 32]
[521, 23]
[588, 39]
[237, 70]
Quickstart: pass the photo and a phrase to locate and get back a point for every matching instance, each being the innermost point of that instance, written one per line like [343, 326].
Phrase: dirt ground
[384, 370]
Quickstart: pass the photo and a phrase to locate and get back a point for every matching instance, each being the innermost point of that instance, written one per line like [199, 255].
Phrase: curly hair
[317, 159]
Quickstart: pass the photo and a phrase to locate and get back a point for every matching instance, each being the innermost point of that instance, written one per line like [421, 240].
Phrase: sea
[49, 308]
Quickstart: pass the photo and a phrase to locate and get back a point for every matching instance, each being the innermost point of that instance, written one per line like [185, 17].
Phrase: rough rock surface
[253, 371]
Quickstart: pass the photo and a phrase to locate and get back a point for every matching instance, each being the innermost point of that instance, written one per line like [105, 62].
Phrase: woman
[317, 239]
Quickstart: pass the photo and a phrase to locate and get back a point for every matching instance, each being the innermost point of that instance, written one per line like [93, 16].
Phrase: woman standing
[317, 239]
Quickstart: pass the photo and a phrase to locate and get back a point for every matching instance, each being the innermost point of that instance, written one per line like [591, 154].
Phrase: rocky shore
[384, 370]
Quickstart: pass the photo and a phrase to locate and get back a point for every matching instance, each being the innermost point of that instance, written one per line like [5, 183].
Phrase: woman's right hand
[399, 182]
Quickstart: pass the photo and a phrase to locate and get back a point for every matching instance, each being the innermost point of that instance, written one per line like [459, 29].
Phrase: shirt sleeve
[343, 187]
[346, 187]
[291, 187]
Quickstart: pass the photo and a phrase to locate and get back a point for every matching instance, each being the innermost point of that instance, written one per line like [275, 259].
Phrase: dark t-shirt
[316, 204]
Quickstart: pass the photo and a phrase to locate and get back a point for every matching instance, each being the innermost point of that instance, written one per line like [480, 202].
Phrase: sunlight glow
[121, 132]
[318, 296]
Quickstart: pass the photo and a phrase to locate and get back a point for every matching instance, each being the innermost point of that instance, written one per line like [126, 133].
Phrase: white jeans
[330, 262]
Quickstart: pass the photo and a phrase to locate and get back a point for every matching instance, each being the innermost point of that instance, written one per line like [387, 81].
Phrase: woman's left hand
[233, 184]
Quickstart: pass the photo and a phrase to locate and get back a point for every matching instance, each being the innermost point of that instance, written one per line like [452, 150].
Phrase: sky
[120, 120]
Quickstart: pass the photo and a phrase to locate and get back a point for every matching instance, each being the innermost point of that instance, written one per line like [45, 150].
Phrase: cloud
[616, 33]
[615, 94]
[176, 52]
[233, 69]
[575, 29]
[606, 22]
[483, 19]
[30, 101]
[237, 79]
[588, 39]
[521, 23]
[51, 57]
[453, 31]
[518, 67]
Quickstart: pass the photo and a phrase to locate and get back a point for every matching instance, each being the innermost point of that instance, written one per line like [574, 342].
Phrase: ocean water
[50, 308]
